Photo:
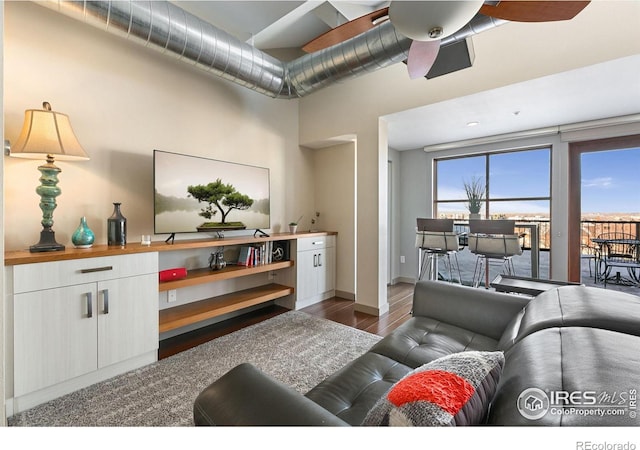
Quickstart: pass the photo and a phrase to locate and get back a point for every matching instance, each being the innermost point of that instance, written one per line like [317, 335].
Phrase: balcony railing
[588, 229]
[593, 228]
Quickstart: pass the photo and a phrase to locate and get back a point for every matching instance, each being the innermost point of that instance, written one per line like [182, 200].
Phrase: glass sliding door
[604, 198]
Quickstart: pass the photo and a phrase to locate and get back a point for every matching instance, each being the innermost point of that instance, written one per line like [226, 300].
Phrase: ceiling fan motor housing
[427, 21]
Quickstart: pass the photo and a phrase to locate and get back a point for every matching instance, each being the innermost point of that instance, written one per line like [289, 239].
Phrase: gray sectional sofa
[571, 358]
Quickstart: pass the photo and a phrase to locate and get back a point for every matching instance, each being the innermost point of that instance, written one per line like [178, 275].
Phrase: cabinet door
[307, 282]
[127, 318]
[54, 336]
[326, 270]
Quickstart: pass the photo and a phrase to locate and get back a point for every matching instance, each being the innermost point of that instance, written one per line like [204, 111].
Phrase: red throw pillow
[453, 390]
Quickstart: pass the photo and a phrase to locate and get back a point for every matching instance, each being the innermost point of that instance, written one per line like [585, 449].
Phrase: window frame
[487, 163]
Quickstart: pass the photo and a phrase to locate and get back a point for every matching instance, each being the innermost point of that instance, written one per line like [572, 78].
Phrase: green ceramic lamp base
[48, 191]
[47, 243]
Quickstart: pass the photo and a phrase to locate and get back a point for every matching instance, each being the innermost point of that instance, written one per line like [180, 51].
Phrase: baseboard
[303, 303]
[409, 280]
[27, 401]
[371, 310]
[346, 295]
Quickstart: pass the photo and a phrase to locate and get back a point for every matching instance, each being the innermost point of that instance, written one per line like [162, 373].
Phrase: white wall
[3, 419]
[335, 200]
[504, 56]
[124, 101]
[415, 174]
[395, 214]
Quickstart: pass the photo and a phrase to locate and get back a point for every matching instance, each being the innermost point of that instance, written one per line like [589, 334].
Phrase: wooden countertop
[12, 258]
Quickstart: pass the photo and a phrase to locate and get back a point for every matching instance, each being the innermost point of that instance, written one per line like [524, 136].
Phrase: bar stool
[435, 240]
[493, 241]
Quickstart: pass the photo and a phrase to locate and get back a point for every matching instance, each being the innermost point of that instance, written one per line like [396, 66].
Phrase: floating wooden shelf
[16, 257]
[199, 276]
[180, 316]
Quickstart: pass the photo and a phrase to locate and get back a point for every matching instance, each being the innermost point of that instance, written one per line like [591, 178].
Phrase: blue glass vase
[83, 237]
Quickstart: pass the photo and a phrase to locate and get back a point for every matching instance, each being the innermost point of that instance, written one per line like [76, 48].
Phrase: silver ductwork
[170, 29]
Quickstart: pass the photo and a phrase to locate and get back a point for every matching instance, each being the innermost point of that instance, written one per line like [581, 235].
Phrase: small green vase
[83, 237]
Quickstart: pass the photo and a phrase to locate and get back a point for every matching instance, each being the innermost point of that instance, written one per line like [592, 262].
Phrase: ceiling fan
[428, 22]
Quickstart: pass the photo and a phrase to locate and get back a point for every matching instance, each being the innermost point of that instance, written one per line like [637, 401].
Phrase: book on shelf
[254, 255]
[263, 253]
[244, 256]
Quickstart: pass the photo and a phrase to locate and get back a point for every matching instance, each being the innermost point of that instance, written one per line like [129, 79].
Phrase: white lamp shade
[47, 132]
[415, 19]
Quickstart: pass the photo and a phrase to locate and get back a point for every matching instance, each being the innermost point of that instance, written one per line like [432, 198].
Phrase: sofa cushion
[452, 390]
[575, 306]
[598, 368]
[247, 396]
[481, 311]
[353, 390]
[421, 340]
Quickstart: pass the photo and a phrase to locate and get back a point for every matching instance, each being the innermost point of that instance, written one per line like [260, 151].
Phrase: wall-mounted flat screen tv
[193, 194]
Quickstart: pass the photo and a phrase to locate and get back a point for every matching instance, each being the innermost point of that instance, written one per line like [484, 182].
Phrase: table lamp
[47, 133]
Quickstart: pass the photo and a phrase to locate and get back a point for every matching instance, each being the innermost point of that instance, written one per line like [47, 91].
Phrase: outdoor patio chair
[592, 254]
[620, 251]
[493, 242]
[436, 240]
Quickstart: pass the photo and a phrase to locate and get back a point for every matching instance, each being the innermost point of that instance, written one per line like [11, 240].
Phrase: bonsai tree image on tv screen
[193, 193]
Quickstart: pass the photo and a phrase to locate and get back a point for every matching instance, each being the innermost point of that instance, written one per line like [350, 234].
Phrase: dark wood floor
[335, 309]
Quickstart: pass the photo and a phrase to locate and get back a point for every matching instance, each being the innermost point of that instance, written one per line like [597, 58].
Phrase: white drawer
[315, 243]
[47, 275]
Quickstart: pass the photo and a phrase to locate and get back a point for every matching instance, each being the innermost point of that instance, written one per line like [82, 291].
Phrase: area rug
[298, 349]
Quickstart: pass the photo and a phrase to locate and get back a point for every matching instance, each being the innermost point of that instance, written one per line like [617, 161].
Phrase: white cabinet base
[78, 322]
[315, 270]
[27, 401]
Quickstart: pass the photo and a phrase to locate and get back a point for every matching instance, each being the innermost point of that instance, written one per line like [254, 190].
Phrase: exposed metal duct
[170, 29]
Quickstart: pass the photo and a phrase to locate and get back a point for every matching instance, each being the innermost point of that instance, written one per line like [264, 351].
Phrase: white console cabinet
[81, 316]
[72, 319]
[316, 268]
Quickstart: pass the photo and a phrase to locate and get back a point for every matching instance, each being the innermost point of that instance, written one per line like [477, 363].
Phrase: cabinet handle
[89, 305]
[318, 242]
[105, 301]
[315, 260]
[96, 269]
[319, 259]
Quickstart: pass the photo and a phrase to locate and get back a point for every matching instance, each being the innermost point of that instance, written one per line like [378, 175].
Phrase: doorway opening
[604, 203]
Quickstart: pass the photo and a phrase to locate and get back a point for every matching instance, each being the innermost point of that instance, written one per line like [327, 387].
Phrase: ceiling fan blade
[534, 11]
[346, 31]
[422, 55]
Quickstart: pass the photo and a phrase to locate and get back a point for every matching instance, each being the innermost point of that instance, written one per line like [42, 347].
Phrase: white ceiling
[604, 90]
[279, 24]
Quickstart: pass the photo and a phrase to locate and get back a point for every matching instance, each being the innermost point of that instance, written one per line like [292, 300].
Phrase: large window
[517, 186]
